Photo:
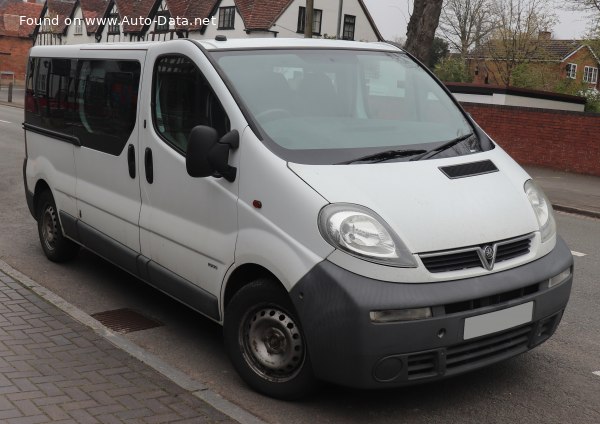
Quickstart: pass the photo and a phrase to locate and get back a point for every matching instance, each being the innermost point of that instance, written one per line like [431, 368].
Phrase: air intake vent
[469, 169]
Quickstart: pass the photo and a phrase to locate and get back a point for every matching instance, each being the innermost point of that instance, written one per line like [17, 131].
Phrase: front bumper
[346, 348]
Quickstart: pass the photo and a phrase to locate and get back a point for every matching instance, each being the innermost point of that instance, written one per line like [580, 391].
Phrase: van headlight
[542, 208]
[360, 232]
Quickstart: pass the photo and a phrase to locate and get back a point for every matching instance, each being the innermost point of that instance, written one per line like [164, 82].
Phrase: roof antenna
[221, 38]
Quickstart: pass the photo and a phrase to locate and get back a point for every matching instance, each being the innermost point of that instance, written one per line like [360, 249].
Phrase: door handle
[149, 165]
[131, 160]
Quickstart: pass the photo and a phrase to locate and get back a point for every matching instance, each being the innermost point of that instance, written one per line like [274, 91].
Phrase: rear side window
[50, 94]
[106, 106]
[183, 99]
[93, 100]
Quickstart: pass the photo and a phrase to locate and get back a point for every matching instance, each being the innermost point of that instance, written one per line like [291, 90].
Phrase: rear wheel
[265, 342]
[56, 246]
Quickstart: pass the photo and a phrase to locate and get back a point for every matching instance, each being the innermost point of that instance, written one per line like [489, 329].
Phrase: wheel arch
[40, 187]
[243, 275]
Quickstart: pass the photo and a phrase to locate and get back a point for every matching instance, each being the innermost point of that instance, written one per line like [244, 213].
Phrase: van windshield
[331, 106]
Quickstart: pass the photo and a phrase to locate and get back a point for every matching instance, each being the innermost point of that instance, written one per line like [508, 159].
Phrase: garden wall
[565, 141]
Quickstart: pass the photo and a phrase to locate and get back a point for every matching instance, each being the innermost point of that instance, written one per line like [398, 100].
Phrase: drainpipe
[339, 26]
[308, 23]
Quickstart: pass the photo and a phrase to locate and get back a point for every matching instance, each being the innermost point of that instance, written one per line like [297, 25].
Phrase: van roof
[214, 45]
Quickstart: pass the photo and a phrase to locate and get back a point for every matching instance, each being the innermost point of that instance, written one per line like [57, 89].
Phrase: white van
[328, 202]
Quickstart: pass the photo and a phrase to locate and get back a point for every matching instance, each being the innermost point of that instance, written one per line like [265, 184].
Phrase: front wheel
[265, 342]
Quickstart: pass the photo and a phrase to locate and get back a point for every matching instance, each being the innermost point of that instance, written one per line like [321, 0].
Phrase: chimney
[545, 35]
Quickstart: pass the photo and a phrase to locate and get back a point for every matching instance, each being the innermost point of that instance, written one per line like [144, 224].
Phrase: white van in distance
[328, 202]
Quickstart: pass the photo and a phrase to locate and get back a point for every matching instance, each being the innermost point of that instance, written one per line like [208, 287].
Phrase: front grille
[487, 349]
[513, 250]
[496, 299]
[471, 257]
[452, 261]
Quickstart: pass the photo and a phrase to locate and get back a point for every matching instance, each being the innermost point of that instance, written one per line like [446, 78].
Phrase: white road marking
[5, 122]
[579, 254]
[596, 373]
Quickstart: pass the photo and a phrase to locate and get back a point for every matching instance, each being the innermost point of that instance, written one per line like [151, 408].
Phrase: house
[52, 27]
[16, 36]
[557, 61]
[159, 20]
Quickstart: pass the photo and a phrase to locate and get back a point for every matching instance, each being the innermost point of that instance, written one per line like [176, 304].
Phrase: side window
[31, 111]
[50, 93]
[183, 99]
[106, 103]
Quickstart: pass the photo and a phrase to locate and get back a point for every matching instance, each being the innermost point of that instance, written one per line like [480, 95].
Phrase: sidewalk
[573, 193]
[54, 369]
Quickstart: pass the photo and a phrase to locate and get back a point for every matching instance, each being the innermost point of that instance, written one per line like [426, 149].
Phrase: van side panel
[52, 161]
[282, 235]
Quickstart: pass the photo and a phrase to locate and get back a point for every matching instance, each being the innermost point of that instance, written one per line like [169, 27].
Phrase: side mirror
[207, 155]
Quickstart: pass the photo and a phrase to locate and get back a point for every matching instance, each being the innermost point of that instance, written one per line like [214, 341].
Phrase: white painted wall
[211, 30]
[521, 101]
[71, 37]
[287, 24]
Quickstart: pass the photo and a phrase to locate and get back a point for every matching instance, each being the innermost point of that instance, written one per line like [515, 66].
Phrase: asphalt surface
[554, 383]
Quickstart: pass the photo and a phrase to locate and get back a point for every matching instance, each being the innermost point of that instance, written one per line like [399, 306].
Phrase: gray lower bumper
[347, 348]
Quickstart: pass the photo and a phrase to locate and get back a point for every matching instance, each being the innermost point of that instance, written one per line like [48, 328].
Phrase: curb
[195, 387]
[16, 106]
[576, 211]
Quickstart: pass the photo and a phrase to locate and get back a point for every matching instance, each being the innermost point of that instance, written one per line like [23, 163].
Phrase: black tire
[265, 342]
[56, 246]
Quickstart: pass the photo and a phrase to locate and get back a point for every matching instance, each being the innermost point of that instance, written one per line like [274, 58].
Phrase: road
[554, 383]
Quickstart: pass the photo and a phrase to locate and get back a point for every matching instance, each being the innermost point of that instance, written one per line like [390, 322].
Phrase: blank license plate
[498, 321]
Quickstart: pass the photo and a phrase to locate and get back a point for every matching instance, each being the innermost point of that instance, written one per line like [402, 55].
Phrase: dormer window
[162, 21]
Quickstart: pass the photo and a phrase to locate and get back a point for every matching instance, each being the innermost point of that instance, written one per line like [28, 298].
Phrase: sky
[392, 17]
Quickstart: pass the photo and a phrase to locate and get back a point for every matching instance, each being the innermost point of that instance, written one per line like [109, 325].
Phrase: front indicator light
[382, 317]
[560, 278]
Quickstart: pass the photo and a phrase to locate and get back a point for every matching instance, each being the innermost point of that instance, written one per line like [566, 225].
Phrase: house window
[317, 18]
[78, 26]
[162, 21]
[349, 26]
[226, 17]
[572, 70]
[113, 24]
[590, 75]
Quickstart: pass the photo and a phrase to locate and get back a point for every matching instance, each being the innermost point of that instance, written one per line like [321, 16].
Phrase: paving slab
[53, 368]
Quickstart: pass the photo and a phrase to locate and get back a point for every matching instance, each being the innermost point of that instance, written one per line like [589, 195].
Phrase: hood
[428, 210]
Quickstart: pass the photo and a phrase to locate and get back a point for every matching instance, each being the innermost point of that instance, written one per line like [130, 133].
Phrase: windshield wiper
[431, 153]
[383, 156]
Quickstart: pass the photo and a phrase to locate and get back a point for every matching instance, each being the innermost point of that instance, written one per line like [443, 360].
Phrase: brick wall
[565, 141]
[17, 60]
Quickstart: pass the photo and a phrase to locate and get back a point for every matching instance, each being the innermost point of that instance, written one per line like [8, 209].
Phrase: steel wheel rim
[272, 344]
[49, 227]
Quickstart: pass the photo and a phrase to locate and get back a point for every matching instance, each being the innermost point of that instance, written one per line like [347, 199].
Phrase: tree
[452, 69]
[516, 36]
[593, 5]
[439, 50]
[466, 24]
[422, 26]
